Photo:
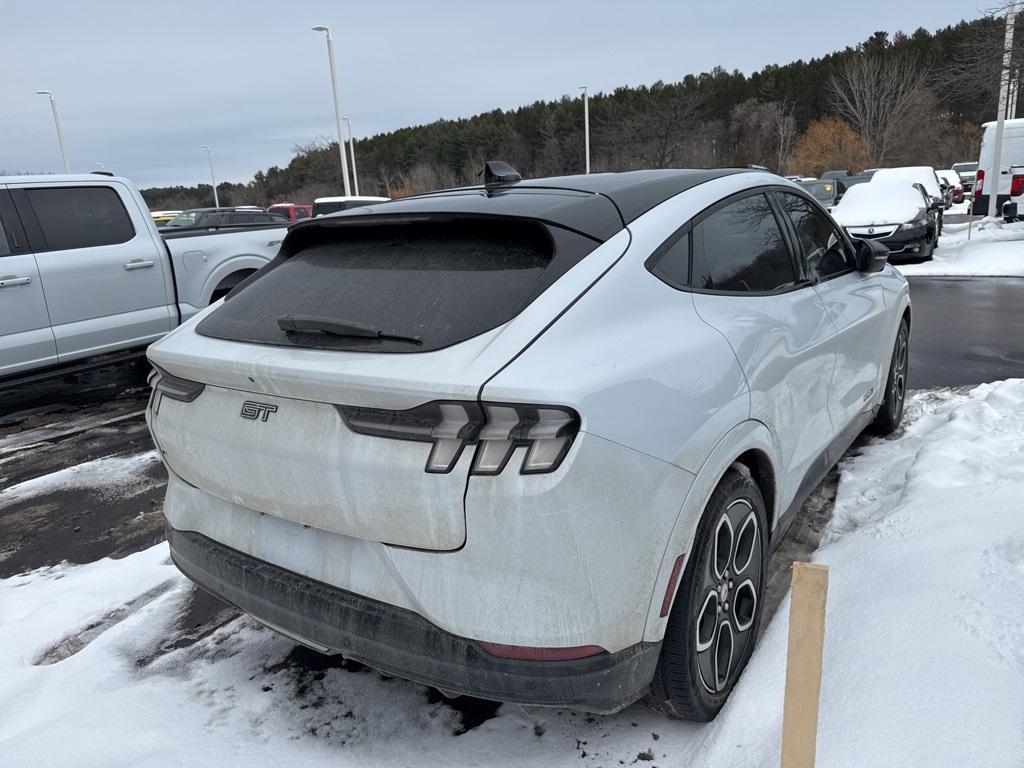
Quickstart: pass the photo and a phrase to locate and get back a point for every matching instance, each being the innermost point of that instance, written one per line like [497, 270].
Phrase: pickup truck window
[80, 217]
[5, 247]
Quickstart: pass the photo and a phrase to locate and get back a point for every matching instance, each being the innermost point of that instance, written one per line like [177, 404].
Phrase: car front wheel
[714, 620]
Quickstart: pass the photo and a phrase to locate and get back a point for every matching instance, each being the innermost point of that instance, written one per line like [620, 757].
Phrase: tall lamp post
[586, 125]
[337, 109]
[352, 152]
[60, 133]
[213, 180]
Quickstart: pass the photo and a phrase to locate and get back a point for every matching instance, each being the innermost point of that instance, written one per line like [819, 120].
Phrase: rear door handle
[139, 264]
[9, 281]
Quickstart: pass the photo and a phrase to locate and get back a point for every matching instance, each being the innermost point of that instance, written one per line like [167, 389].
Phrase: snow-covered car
[898, 215]
[920, 174]
[531, 441]
[953, 183]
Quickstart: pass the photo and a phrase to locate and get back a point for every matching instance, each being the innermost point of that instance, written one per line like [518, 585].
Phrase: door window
[80, 217]
[824, 251]
[5, 248]
[742, 250]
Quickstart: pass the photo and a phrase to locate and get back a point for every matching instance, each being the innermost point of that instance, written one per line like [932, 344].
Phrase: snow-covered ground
[924, 653]
[995, 249]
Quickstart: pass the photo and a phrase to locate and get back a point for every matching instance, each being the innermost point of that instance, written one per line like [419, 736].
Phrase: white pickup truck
[85, 275]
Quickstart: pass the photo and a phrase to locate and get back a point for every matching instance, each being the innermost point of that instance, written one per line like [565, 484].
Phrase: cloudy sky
[142, 84]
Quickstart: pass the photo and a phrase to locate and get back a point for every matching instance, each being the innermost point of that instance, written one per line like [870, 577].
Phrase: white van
[324, 205]
[1012, 154]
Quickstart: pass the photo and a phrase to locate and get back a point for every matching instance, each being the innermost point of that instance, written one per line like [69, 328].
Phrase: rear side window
[439, 283]
[741, 249]
[80, 217]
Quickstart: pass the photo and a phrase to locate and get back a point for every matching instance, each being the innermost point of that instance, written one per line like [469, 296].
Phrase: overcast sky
[142, 84]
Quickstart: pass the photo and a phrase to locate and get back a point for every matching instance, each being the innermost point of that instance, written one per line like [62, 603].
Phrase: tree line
[895, 99]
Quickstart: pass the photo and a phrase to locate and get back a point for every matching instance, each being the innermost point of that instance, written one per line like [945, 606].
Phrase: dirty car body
[467, 437]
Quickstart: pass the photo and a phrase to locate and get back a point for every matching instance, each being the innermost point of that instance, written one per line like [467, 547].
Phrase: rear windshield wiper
[334, 327]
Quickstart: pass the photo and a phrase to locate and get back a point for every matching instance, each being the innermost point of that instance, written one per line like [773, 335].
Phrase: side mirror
[937, 205]
[871, 256]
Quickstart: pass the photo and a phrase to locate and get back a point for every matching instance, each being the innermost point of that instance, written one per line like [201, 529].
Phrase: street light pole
[337, 109]
[992, 182]
[352, 153]
[213, 180]
[586, 125]
[60, 133]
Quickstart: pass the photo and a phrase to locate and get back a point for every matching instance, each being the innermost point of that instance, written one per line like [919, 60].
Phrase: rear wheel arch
[229, 282]
[757, 463]
[748, 446]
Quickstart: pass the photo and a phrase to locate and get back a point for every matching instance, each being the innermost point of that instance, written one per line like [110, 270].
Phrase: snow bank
[924, 653]
[995, 249]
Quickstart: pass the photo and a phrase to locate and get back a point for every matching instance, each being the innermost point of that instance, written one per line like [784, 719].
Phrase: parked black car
[899, 215]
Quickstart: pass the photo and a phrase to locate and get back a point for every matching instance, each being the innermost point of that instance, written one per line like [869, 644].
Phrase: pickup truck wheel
[891, 413]
[714, 620]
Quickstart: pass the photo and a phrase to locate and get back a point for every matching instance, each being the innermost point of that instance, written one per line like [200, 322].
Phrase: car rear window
[440, 283]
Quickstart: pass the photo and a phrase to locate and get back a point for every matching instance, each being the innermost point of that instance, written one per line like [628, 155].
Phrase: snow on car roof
[879, 202]
[922, 174]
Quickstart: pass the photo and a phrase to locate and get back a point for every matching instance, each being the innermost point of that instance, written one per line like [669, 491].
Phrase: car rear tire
[891, 413]
[714, 621]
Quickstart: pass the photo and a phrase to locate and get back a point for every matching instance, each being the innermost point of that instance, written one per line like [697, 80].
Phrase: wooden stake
[803, 665]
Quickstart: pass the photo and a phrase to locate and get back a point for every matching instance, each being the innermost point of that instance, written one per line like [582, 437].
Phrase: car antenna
[498, 172]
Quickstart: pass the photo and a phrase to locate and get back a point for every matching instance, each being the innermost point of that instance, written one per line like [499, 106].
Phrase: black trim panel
[400, 642]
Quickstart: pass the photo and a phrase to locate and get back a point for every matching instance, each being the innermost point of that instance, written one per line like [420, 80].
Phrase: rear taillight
[979, 181]
[176, 388]
[1017, 186]
[496, 429]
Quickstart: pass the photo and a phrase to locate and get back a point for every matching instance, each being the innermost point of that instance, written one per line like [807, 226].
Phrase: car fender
[746, 436]
[241, 263]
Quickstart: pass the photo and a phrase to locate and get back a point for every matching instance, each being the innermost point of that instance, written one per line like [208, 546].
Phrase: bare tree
[766, 131]
[652, 132]
[876, 97]
[974, 66]
[783, 126]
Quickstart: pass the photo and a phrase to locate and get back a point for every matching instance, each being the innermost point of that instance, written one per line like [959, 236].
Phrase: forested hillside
[893, 99]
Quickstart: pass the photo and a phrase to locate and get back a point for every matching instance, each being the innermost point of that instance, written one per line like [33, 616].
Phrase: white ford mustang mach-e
[530, 441]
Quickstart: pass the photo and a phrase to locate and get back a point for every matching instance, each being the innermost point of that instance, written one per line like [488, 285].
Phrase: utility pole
[213, 180]
[586, 125]
[337, 109]
[992, 182]
[352, 153]
[60, 132]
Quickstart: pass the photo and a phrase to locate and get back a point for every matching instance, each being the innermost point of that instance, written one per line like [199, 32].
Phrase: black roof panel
[597, 205]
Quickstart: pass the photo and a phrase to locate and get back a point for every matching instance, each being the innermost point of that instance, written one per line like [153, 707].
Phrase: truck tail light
[1017, 185]
[979, 181]
[496, 429]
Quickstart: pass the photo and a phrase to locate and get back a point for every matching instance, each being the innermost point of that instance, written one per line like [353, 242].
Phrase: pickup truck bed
[85, 272]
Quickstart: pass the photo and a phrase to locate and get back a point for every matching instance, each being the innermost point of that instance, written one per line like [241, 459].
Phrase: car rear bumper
[401, 642]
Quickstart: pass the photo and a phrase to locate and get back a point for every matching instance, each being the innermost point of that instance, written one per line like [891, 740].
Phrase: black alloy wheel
[713, 624]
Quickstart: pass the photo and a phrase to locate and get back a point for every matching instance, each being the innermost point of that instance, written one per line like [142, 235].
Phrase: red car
[292, 211]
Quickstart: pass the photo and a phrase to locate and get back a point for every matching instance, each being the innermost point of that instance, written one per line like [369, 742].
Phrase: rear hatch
[339, 389]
